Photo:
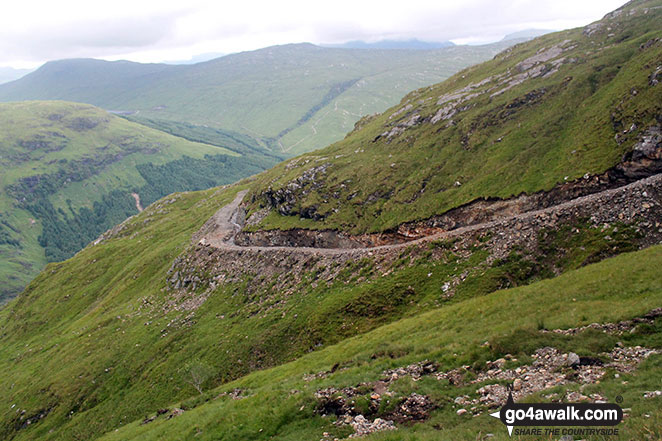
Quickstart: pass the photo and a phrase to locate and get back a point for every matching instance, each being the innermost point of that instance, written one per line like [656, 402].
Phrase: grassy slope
[261, 93]
[84, 298]
[97, 323]
[497, 147]
[101, 325]
[94, 323]
[616, 289]
[43, 138]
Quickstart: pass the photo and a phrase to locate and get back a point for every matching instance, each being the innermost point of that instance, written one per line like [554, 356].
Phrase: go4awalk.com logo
[530, 418]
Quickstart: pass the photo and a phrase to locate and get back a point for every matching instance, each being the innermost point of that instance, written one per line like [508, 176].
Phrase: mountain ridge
[484, 133]
[266, 93]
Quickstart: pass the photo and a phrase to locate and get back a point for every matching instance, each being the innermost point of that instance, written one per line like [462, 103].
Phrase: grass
[103, 326]
[612, 290]
[97, 322]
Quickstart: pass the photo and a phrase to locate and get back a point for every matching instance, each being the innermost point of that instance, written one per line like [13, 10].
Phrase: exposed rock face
[645, 158]
[299, 238]
[285, 199]
[544, 63]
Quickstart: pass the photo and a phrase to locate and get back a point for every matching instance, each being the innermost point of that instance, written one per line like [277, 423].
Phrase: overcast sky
[32, 32]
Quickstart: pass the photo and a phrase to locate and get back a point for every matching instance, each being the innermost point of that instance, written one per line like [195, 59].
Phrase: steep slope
[292, 98]
[298, 400]
[170, 322]
[69, 172]
[542, 114]
[125, 326]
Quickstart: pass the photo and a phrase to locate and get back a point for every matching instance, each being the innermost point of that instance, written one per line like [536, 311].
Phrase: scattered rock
[363, 426]
[613, 328]
[551, 368]
[517, 384]
[572, 360]
[415, 407]
[415, 370]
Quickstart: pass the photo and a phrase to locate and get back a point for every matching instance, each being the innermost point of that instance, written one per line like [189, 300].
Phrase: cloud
[149, 30]
[89, 38]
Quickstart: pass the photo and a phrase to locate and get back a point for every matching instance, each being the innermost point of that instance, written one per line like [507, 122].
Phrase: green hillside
[69, 171]
[281, 403]
[119, 343]
[169, 327]
[291, 98]
[546, 112]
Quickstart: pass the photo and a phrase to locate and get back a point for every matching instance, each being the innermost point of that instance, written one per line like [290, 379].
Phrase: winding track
[225, 226]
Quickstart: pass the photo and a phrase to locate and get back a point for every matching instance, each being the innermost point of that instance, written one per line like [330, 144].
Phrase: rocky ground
[494, 381]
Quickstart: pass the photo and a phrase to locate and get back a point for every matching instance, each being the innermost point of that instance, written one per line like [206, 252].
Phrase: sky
[33, 32]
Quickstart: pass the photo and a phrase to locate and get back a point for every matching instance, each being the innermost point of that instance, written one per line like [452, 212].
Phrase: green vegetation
[234, 141]
[100, 325]
[497, 129]
[69, 171]
[120, 348]
[280, 404]
[292, 98]
[149, 334]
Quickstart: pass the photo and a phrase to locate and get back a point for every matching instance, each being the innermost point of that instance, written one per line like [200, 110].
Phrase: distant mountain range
[291, 99]
[413, 44]
[8, 74]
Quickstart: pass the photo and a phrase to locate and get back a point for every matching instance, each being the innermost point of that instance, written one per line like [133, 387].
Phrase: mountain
[85, 80]
[538, 117]
[199, 319]
[393, 44]
[71, 171]
[8, 74]
[291, 98]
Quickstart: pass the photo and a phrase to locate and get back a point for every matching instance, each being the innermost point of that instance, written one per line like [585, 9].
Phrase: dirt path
[136, 197]
[225, 224]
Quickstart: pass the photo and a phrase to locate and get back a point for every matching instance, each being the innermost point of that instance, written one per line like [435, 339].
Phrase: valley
[498, 231]
[69, 171]
[291, 98]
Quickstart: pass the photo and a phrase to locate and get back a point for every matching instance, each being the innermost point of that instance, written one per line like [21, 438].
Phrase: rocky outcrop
[299, 238]
[285, 199]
